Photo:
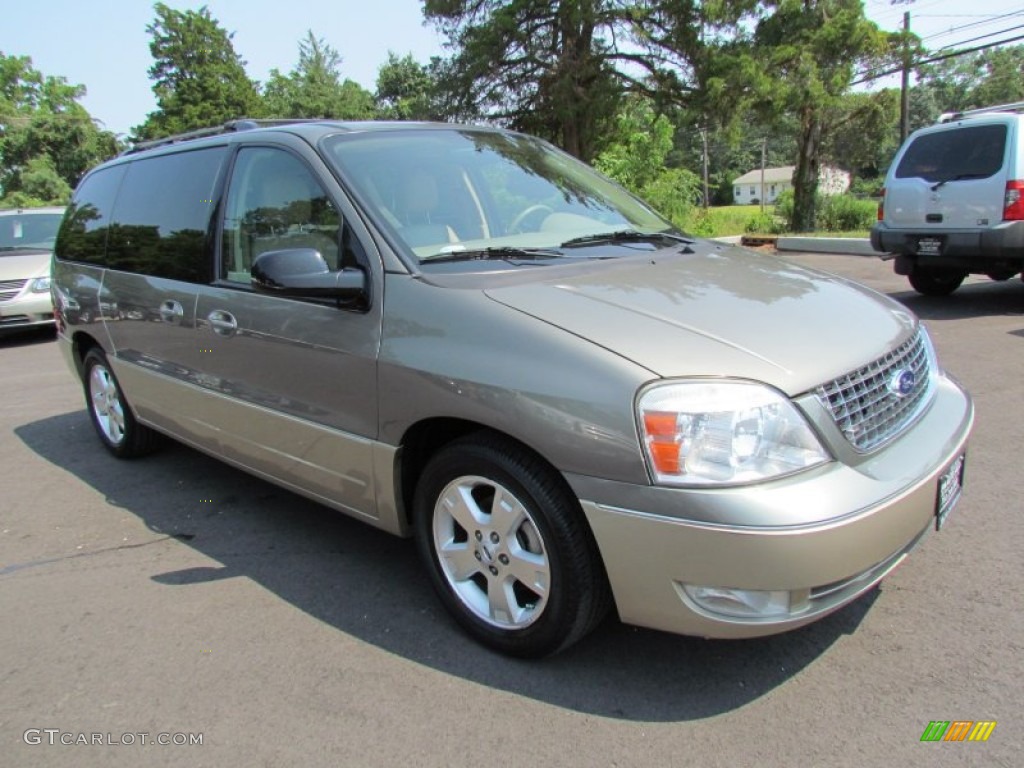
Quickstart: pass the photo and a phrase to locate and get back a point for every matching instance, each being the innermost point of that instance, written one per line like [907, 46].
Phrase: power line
[941, 57]
[962, 27]
[980, 37]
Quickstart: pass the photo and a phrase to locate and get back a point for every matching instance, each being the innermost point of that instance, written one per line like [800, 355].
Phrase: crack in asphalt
[8, 569]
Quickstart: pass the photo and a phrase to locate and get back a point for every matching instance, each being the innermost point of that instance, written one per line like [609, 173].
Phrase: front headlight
[40, 285]
[723, 433]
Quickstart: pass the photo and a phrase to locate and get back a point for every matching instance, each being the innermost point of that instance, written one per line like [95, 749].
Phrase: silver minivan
[464, 335]
[953, 202]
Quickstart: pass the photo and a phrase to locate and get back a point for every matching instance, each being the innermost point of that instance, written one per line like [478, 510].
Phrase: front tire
[507, 548]
[935, 282]
[109, 412]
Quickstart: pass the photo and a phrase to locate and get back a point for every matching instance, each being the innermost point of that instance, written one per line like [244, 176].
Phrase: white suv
[953, 202]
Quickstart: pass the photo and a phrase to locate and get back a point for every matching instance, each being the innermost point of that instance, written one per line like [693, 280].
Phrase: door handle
[171, 312]
[223, 323]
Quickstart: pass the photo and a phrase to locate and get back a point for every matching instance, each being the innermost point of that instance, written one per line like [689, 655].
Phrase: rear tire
[110, 413]
[935, 282]
[507, 547]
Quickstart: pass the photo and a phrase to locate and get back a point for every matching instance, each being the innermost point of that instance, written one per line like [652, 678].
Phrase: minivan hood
[726, 312]
[22, 265]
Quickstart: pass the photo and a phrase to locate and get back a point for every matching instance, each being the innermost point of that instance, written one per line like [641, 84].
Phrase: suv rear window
[968, 152]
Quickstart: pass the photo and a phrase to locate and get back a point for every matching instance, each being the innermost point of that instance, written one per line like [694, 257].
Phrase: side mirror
[302, 273]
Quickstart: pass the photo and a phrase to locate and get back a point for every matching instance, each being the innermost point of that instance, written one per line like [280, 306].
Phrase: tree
[560, 68]
[406, 90]
[811, 47]
[974, 80]
[315, 88]
[47, 139]
[636, 158]
[199, 80]
[863, 133]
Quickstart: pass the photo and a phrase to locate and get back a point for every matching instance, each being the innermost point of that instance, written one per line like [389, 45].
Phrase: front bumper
[26, 310]
[870, 515]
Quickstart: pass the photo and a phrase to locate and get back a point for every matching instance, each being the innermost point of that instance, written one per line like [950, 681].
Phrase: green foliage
[559, 68]
[725, 220]
[982, 79]
[198, 78]
[636, 157]
[703, 223]
[846, 213]
[784, 204]
[836, 213]
[47, 139]
[315, 88]
[406, 90]
[811, 47]
[764, 224]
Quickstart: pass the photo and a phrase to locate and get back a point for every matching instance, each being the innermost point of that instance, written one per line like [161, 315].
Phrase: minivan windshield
[956, 154]
[465, 194]
[28, 230]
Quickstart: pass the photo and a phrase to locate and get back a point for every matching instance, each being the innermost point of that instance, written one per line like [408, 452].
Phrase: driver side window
[274, 203]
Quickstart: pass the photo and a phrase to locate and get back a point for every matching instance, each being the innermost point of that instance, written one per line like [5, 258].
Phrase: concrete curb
[855, 246]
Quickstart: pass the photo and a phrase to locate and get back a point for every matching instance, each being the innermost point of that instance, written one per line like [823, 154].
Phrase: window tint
[83, 235]
[972, 152]
[275, 202]
[162, 216]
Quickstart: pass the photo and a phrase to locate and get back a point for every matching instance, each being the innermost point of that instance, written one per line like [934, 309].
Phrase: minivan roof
[303, 127]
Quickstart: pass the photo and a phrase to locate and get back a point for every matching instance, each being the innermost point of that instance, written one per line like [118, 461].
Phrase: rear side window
[83, 234]
[969, 152]
[162, 217]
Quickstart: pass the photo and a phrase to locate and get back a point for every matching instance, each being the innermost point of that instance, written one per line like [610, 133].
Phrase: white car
[26, 243]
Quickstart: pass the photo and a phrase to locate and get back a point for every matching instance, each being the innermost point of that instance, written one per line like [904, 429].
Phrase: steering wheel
[526, 213]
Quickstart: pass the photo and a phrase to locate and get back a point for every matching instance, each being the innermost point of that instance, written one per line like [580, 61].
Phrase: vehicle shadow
[970, 300]
[27, 338]
[370, 585]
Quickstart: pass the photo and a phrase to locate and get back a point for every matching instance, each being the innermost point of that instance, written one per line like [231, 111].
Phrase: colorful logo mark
[958, 730]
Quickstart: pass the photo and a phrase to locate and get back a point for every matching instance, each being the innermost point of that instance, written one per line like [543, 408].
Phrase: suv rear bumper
[970, 249]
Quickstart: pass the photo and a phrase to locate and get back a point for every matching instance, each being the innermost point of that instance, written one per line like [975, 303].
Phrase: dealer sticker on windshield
[951, 484]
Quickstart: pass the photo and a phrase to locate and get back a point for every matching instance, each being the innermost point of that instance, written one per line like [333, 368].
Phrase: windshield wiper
[959, 177]
[625, 236]
[502, 252]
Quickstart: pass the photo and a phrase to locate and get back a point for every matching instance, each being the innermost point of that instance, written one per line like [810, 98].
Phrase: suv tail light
[881, 204]
[1013, 202]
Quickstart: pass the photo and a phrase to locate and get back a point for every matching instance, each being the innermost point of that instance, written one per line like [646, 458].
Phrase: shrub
[764, 224]
[845, 213]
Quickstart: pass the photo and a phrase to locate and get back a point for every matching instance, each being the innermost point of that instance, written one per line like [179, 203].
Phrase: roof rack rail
[1016, 106]
[231, 126]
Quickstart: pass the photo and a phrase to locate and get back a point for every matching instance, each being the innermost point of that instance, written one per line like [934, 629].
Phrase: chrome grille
[10, 288]
[867, 404]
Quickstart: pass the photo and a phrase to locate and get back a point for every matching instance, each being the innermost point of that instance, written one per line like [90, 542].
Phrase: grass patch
[722, 221]
[728, 220]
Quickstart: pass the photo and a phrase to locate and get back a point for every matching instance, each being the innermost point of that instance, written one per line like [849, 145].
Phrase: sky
[103, 44]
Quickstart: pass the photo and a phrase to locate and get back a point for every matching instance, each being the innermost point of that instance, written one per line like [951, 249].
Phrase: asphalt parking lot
[176, 597]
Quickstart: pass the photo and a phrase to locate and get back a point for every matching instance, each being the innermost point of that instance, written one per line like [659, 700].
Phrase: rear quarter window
[83, 233]
[968, 152]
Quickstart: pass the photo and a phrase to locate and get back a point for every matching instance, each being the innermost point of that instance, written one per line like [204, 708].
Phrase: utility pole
[905, 81]
[704, 140]
[764, 153]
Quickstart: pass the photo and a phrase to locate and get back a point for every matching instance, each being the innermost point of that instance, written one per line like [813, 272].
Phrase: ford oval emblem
[902, 383]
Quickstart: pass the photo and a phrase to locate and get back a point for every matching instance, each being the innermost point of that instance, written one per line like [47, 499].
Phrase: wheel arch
[424, 439]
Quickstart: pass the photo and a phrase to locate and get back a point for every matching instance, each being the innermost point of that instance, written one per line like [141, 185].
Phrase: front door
[294, 381]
